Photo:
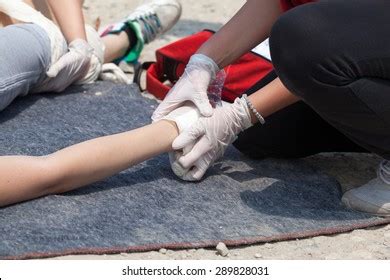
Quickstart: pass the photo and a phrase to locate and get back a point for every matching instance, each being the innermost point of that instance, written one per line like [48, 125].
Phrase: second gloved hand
[74, 65]
[209, 138]
[192, 86]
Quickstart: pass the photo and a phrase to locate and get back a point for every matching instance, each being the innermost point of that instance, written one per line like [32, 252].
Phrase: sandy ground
[351, 170]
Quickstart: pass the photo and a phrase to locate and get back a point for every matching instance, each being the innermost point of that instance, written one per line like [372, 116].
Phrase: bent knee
[299, 43]
[299, 34]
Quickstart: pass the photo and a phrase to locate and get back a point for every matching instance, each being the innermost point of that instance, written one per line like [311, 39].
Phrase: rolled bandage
[184, 117]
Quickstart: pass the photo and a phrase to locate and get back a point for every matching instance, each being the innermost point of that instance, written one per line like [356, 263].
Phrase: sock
[132, 37]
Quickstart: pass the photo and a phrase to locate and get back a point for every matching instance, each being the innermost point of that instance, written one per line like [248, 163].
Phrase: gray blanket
[241, 201]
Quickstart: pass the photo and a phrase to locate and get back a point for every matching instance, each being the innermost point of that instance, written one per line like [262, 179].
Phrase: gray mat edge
[204, 244]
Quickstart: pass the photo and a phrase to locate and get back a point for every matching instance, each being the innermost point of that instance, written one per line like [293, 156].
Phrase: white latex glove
[192, 86]
[208, 138]
[112, 72]
[72, 66]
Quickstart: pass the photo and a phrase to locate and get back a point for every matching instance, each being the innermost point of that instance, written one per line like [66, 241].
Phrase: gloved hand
[209, 137]
[192, 86]
[72, 66]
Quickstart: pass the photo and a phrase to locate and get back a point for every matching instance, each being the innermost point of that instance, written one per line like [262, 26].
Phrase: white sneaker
[373, 197]
[156, 17]
[148, 21]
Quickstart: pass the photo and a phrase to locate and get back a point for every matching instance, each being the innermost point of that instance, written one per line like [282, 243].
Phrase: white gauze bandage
[184, 117]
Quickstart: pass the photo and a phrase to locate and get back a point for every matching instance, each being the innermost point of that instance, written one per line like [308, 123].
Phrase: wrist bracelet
[253, 109]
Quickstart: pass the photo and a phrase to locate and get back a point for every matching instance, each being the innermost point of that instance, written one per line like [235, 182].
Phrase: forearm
[271, 98]
[99, 158]
[23, 178]
[249, 27]
[69, 16]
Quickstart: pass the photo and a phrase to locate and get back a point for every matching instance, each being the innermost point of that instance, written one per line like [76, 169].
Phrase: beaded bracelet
[253, 109]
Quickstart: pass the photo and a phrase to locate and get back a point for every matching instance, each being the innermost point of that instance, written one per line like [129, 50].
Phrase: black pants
[335, 55]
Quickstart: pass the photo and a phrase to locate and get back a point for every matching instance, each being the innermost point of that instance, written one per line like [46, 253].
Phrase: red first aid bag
[245, 73]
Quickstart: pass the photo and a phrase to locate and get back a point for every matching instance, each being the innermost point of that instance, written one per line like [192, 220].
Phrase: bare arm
[69, 16]
[23, 178]
[248, 28]
[271, 98]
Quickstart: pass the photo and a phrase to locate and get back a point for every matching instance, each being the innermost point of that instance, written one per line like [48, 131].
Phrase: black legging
[335, 55]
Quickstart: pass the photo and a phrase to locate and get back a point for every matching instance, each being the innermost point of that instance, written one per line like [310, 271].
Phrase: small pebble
[98, 93]
[258, 256]
[236, 254]
[222, 249]
[163, 251]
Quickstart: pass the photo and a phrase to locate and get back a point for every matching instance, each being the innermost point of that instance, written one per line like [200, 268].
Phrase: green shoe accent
[135, 52]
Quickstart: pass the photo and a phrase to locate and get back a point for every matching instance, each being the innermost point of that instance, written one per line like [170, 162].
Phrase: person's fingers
[187, 149]
[109, 77]
[202, 102]
[54, 70]
[164, 109]
[63, 62]
[200, 148]
[195, 174]
[112, 72]
[176, 167]
[170, 103]
[188, 137]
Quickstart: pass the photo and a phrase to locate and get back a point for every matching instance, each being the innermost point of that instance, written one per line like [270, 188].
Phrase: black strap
[138, 70]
